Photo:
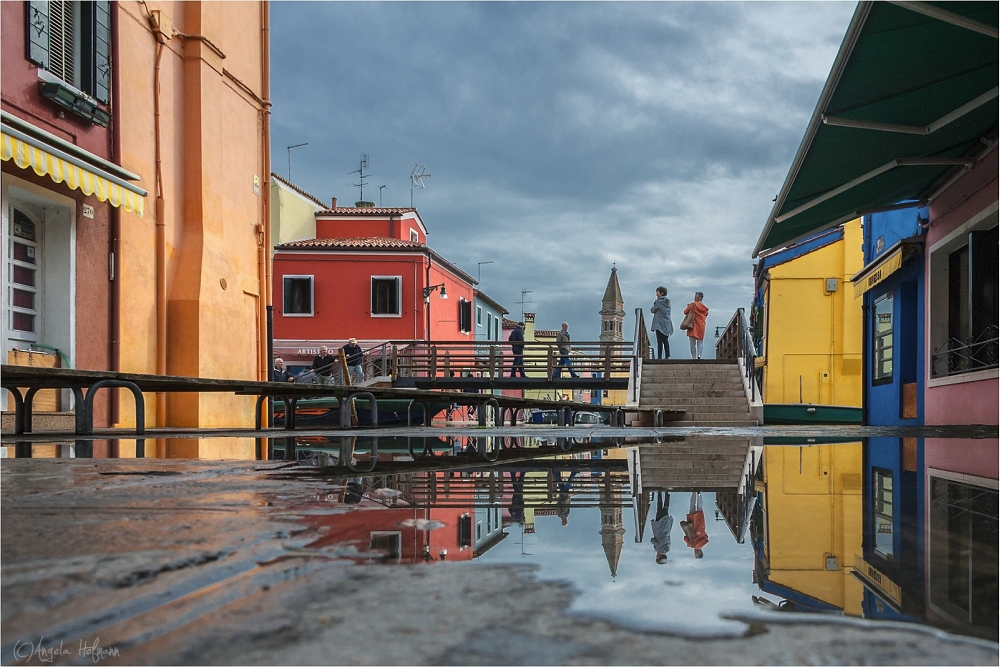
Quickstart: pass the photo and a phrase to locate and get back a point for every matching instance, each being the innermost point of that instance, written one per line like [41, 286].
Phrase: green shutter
[95, 46]
[36, 21]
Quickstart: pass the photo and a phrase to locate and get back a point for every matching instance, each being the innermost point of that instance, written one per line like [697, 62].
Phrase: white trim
[965, 227]
[399, 296]
[973, 480]
[962, 378]
[282, 186]
[374, 217]
[312, 295]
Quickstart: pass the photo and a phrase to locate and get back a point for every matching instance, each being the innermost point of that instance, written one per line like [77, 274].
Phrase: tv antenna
[417, 177]
[360, 171]
[290, 157]
[524, 301]
[479, 278]
[380, 188]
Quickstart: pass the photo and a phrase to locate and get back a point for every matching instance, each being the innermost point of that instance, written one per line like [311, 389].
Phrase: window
[489, 325]
[882, 340]
[882, 512]
[496, 329]
[389, 543]
[964, 316]
[386, 296]
[414, 236]
[297, 296]
[24, 280]
[464, 315]
[71, 41]
[479, 316]
[465, 531]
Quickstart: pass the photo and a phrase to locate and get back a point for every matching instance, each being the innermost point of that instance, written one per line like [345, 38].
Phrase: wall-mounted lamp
[430, 290]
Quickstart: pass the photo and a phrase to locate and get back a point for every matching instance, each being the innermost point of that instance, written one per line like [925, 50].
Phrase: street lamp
[433, 288]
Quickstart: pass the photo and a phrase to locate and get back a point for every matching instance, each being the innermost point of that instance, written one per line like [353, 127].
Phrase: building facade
[135, 194]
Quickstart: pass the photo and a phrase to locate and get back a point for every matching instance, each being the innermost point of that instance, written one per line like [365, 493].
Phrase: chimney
[333, 204]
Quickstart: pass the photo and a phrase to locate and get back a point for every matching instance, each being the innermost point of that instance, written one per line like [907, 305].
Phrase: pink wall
[967, 402]
[969, 457]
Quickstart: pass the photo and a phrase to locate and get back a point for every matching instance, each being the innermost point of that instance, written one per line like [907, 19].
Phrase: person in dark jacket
[517, 336]
[661, 323]
[355, 361]
[323, 366]
[279, 373]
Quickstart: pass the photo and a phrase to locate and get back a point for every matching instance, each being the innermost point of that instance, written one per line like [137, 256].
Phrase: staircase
[709, 391]
[695, 464]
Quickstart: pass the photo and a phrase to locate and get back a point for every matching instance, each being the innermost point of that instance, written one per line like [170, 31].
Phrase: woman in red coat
[696, 334]
[695, 531]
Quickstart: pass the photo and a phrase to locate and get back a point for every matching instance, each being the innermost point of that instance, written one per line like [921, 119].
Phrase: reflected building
[807, 527]
[612, 526]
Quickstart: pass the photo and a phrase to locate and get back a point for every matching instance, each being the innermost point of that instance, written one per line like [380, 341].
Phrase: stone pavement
[201, 562]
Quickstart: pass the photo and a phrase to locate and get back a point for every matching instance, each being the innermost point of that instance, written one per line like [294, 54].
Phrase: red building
[368, 274]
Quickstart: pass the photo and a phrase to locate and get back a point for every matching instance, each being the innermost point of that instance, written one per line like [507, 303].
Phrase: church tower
[612, 528]
[612, 310]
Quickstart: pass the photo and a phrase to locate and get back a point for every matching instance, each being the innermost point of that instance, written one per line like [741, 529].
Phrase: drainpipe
[267, 313]
[864, 361]
[114, 362]
[161, 240]
[427, 300]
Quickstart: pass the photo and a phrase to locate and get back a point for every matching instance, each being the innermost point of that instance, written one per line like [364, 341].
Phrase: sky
[562, 138]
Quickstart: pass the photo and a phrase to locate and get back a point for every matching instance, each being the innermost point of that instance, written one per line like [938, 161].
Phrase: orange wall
[212, 148]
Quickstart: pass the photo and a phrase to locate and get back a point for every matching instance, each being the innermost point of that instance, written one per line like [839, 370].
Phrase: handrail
[641, 349]
[736, 342]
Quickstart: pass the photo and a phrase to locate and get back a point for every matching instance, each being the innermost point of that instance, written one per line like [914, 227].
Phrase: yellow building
[809, 320]
[293, 212]
[812, 524]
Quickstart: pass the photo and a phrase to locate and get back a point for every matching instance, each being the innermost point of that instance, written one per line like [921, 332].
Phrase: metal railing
[958, 356]
[736, 342]
[641, 349]
[494, 359]
[377, 362]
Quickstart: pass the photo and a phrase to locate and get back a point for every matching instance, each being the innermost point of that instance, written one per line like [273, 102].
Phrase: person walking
[695, 532]
[661, 323]
[661, 526]
[695, 315]
[516, 339]
[563, 341]
[323, 366]
[355, 357]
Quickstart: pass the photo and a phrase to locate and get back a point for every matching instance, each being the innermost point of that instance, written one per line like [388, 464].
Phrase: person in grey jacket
[661, 525]
[563, 340]
[661, 323]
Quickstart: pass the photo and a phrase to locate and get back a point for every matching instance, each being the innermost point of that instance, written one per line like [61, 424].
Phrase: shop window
[24, 284]
[389, 543]
[882, 509]
[963, 552]
[297, 296]
[964, 313]
[882, 340]
[464, 315]
[71, 41]
[386, 295]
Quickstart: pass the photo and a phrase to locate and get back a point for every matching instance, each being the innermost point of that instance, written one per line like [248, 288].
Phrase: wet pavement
[524, 550]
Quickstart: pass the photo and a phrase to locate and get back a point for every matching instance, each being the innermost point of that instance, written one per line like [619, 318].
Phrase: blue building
[489, 315]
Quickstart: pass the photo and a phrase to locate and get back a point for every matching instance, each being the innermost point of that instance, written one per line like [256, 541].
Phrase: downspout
[161, 241]
[427, 299]
[864, 361]
[267, 314]
[116, 222]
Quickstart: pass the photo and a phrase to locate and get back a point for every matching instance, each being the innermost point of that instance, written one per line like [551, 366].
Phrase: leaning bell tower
[612, 310]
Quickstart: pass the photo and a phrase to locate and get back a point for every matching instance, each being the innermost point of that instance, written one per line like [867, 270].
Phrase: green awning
[910, 102]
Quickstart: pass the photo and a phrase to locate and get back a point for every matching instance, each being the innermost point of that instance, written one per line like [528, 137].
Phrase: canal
[523, 549]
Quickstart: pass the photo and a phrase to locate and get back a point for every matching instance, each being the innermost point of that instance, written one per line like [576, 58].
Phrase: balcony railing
[958, 356]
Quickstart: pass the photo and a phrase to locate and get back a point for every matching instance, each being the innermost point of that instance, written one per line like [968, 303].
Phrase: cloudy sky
[562, 138]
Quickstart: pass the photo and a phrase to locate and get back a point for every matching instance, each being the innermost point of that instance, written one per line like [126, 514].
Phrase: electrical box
[831, 563]
[832, 284]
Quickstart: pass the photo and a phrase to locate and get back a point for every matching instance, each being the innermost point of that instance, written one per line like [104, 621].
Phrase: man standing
[323, 366]
[279, 373]
[516, 339]
[562, 339]
[355, 361]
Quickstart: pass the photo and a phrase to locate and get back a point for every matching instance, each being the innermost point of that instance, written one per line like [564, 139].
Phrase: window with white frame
[386, 296]
[297, 296]
[24, 280]
[479, 316]
[414, 236]
[464, 315]
[963, 303]
[489, 325]
[882, 340]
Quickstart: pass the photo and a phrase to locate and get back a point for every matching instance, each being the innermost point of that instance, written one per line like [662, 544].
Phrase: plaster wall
[293, 217]
[395, 227]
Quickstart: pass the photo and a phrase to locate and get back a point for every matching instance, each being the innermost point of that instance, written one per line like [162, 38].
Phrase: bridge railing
[736, 342]
[495, 359]
[641, 349]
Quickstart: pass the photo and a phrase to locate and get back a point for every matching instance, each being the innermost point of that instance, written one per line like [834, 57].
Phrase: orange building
[162, 109]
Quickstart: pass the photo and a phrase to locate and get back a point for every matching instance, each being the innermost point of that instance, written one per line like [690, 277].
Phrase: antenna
[417, 177]
[380, 188]
[524, 301]
[479, 278]
[290, 158]
[360, 171]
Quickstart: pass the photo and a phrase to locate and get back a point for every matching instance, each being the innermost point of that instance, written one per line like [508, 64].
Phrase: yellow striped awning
[27, 152]
[885, 266]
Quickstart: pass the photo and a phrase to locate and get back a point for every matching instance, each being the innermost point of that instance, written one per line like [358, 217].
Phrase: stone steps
[708, 393]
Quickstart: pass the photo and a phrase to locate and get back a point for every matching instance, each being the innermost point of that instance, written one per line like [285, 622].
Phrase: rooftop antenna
[417, 177]
[380, 188]
[479, 278]
[524, 301]
[360, 171]
[290, 158]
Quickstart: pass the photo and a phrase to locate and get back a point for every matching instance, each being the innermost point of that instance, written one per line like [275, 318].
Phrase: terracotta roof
[353, 210]
[291, 186]
[508, 323]
[358, 243]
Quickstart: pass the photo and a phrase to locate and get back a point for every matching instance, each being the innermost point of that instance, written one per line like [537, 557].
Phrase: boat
[325, 412]
[808, 414]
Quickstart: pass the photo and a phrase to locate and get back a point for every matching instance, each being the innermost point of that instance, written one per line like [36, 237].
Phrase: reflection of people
[355, 491]
[516, 508]
[563, 340]
[661, 527]
[661, 323]
[355, 357]
[517, 336]
[695, 532]
[562, 503]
